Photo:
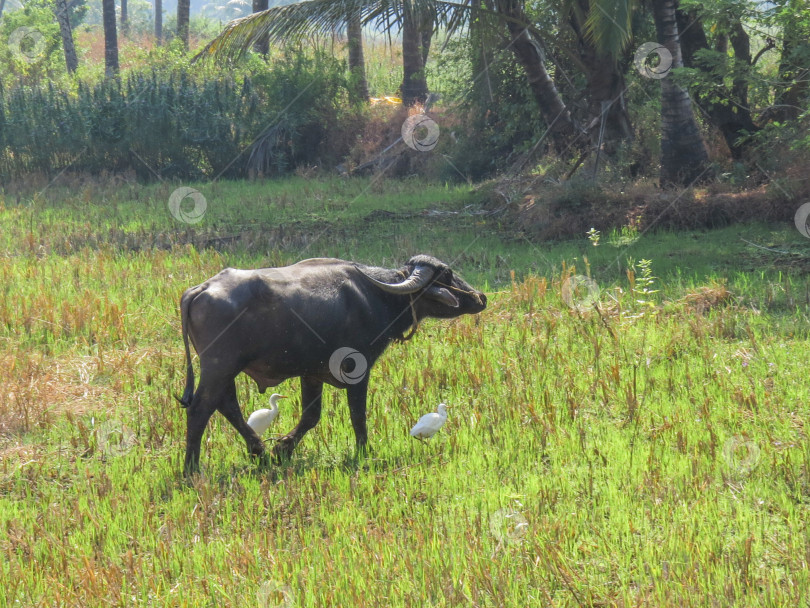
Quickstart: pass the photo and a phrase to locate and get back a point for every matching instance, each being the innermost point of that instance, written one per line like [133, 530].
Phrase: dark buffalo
[324, 320]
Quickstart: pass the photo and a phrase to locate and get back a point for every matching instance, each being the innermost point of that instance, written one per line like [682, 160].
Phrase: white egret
[260, 420]
[429, 424]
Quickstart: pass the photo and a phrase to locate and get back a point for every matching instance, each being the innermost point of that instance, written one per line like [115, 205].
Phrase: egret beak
[283, 397]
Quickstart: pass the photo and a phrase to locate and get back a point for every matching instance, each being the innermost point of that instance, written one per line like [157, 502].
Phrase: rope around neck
[414, 326]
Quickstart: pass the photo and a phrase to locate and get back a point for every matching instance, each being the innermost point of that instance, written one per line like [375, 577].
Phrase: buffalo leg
[198, 414]
[311, 392]
[357, 394]
[228, 406]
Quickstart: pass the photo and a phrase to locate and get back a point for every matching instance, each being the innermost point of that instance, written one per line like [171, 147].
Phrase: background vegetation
[745, 66]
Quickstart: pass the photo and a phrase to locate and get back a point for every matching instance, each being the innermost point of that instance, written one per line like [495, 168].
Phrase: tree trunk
[63, 18]
[159, 21]
[481, 56]
[2, 5]
[183, 11]
[110, 38]
[605, 86]
[794, 73]
[414, 85]
[262, 45]
[124, 16]
[730, 115]
[559, 120]
[357, 63]
[427, 21]
[683, 154]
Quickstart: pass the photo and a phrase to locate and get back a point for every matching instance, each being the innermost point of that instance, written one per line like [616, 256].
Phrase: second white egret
[260, 420]
[429, 424]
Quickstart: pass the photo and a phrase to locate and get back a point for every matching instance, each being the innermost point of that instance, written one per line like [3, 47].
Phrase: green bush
[171, 124]
[498, 119]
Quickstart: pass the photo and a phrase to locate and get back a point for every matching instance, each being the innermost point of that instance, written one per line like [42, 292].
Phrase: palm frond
[608, 25]
[294, 21]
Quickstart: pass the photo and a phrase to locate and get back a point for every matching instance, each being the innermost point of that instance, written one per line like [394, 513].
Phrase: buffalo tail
[185, 305]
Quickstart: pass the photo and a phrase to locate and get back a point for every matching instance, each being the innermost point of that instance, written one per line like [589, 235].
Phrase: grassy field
[646, 451]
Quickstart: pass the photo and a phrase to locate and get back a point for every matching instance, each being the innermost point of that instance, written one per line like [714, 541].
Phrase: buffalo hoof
[191, 468]
[262, 459]
[283, 450]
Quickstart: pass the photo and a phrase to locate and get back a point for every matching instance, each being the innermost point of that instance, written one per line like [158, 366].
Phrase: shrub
[169, 123]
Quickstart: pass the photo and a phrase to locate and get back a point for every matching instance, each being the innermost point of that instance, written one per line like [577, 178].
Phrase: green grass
[645, 454]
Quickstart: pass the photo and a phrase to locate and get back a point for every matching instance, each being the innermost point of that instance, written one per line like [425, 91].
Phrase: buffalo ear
[440, 294]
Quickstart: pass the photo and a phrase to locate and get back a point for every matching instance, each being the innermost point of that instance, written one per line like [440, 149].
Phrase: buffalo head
[436, 291]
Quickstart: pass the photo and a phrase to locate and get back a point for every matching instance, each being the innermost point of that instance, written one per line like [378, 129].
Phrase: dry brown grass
[707, 298]
[550, 211]
[36, 389]
[382, 129]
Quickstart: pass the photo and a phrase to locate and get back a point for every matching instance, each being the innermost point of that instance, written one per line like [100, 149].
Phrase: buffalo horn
[419, 278]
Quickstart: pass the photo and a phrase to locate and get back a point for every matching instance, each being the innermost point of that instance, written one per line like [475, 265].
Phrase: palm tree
[63, 18]
[159, 21]
[415, 20]
[357, 63]
[110, 38]
[288, 22]
[183, 12]
[683, 154]
[728, 109]
[414, 87]
[262, 46]
[794, 71]
[602, 35]
[528, 53]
